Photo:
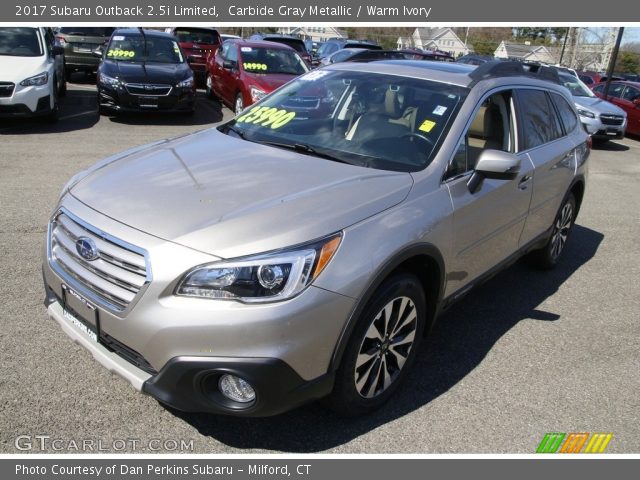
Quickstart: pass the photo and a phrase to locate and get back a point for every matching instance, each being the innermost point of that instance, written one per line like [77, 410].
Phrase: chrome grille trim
[607, 119]
[115, 280]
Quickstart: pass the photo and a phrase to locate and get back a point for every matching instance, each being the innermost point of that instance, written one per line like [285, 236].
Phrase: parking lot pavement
[527, 353]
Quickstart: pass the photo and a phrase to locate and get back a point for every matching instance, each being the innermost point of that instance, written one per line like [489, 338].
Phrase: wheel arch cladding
[426, 263]
[577, 189]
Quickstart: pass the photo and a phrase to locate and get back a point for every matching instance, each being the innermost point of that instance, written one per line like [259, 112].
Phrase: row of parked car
[151, 70]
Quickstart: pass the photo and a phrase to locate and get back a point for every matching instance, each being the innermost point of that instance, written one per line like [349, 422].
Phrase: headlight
[109, 81]
[186, 83]
[40, 79]
[261, 278]
[586, 113]
[257, 94]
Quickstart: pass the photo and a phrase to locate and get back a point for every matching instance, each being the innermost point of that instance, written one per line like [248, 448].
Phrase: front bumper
[171, 347]
[179, 100]
[597, 129]
[26, 101]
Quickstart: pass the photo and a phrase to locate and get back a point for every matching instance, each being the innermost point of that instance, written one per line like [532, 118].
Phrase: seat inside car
[382, 118]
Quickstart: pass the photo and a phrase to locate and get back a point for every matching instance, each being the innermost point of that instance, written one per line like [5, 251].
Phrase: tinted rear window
[363, 45]
[88, 31]
[197, 35]
[297, 45]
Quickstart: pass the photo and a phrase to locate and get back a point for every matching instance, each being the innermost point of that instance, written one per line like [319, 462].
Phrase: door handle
[524, 182]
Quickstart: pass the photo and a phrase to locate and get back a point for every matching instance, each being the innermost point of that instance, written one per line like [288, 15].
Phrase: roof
[427, 33]
[520, 50]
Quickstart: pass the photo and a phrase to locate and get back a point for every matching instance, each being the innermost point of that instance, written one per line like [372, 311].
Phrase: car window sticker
[267, 117]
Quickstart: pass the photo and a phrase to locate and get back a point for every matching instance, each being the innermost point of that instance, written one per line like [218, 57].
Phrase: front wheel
[381, 348]
[548, 256]
[209, 87]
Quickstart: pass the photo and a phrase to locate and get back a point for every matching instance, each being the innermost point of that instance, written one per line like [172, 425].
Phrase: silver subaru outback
[305, 248]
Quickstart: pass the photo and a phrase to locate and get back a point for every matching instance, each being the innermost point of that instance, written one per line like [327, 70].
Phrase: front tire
[382, 347]
[547, 257]
[52, 116]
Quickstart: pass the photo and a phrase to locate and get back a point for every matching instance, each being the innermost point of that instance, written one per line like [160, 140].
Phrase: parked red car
[242, 72]
[198, 43]
[625, 95]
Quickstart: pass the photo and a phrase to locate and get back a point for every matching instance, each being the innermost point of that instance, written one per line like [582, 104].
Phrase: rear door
[552, 153]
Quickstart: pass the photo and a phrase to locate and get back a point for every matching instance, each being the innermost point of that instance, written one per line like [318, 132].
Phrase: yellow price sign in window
[267, 117]
[254, 66]
[119, 53]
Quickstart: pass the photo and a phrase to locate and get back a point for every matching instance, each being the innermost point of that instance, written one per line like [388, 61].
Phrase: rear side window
[197, 35]
[567, 115]
[540, 123]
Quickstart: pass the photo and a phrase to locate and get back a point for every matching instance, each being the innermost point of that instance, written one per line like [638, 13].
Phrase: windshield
[132, 48]
[575, 86]
[20, 42]
[197, 35]
[271, 60]
[373, 120]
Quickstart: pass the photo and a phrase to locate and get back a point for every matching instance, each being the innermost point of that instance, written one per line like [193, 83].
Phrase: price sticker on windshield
[267, 117]
[119, 53]
[254, 66]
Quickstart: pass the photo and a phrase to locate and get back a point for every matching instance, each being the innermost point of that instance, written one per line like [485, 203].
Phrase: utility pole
[564, 44]
[612, 62]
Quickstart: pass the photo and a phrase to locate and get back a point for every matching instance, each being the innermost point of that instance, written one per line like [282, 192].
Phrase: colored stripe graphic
[598, 442]
[550, 443]
[574, 443]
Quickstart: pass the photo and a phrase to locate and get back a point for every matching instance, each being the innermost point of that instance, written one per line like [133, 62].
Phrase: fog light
[236, 389]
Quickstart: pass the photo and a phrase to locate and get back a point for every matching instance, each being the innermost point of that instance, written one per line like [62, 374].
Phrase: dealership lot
[526, 354]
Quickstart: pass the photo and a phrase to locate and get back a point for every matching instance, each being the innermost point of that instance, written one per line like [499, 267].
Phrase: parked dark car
[297, 44]
[145, 71]
[244, 71]
[333, 45]
[197, 43]
[625, 95]
[589, 78]
[79, 44]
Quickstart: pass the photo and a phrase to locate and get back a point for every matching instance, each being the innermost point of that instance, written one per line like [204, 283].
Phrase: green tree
[628, 62]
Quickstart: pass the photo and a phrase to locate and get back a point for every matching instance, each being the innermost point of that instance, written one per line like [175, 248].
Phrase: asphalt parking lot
[528, 353]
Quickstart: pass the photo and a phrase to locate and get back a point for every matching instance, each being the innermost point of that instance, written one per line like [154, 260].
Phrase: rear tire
[548, 256]
[382, 347]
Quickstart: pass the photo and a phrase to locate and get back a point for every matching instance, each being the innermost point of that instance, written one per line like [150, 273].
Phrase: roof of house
[427, 33]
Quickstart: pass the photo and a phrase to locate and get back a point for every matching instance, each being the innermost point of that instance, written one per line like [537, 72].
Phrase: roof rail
[510, 68]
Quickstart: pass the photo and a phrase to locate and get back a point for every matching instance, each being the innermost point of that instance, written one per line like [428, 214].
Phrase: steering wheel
[419, 137]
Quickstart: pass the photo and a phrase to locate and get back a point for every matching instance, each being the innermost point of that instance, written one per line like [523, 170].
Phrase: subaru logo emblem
[87, 248]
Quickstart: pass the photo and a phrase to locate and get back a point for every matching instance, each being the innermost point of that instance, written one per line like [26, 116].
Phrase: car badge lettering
[87, 248]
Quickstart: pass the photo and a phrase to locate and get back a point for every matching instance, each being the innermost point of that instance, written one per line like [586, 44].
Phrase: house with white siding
[525, 52]
[317, 34]
[443, 38]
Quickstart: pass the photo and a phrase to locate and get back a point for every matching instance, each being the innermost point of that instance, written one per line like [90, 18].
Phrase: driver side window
[492, 128]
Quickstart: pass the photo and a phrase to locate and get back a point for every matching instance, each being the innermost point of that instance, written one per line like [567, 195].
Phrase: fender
[433, 306]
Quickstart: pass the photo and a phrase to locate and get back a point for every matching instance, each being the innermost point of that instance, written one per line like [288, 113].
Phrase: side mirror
[57, 50]
[494, 164]
[98, 52]
[636, 101]
[228, 64]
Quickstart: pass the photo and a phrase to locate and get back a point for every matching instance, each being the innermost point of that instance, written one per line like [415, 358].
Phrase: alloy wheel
[385, 347]
[561, 230]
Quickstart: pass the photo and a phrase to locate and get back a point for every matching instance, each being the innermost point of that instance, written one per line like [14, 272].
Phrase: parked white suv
[31, 72]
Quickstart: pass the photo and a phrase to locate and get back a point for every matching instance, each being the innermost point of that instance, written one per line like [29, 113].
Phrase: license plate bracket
[81, 313]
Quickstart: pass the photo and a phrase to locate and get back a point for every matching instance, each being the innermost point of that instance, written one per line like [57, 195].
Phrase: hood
[229, 197]
[146, 72]
[598, 105]
[268, 82]
[16, 69]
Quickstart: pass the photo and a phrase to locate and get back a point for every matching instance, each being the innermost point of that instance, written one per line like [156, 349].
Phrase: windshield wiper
[237, 131]
[303, 148]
